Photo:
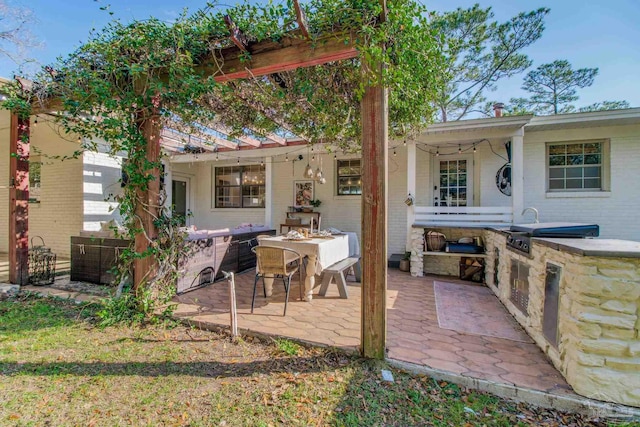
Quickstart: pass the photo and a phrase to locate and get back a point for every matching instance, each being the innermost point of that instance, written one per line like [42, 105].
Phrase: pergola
[266, 58]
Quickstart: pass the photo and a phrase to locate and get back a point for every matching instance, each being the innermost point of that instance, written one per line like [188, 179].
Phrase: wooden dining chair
[276, 262]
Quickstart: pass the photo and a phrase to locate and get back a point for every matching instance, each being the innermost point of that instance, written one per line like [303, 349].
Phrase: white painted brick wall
[487, 164]
[424, 178]
[204, 216]
[616, 214]
[342, 212]
[398, 241]
[100, 175]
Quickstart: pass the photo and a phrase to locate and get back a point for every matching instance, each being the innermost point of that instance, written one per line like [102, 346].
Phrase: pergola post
[19, 200]
[147, 208]
[375, 144]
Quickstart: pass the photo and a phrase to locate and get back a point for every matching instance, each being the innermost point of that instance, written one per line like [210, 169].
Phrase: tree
[604, 105]
[15, 37]
[553, 86]
[479, 52]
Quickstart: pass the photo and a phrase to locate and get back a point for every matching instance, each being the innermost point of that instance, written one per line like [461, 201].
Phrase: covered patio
[425, 326]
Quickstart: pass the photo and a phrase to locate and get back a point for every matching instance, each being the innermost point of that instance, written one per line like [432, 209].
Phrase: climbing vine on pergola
[300, 68]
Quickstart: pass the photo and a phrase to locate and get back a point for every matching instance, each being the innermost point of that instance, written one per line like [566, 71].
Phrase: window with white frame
[576, 166]
[349, 179]
[239, 186]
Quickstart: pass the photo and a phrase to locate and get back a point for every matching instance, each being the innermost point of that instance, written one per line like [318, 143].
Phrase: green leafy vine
[129, 74]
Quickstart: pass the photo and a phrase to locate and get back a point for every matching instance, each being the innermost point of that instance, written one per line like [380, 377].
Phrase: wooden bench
[335, 273]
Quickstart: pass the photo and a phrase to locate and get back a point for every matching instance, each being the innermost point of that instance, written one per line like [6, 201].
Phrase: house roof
[584, 120]
[497, 123]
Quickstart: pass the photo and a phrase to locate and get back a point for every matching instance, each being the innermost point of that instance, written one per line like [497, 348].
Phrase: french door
[453, 181]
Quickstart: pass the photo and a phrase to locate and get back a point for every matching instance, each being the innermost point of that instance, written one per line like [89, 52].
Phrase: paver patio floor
[413, 331]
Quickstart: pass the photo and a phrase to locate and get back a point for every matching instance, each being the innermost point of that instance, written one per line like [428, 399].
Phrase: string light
[261, 162]
[286, 157]
[404, 144]
[217, 157]
[308, 172]
[335, 156]
[437, 151]
[238, 160]
[394, 152]
[474, 148]
[459, 149]
[35, 122]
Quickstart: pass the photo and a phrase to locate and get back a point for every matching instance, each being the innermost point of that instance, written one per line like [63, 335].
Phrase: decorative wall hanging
[302, 193]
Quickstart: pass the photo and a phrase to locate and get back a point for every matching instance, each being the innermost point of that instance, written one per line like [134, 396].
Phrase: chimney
[497, 108]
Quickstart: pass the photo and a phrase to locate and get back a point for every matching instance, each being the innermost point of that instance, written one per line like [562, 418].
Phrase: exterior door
[453, 181]
[180, 198]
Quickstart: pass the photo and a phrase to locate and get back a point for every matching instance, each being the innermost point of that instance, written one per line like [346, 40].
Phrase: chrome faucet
[535, 211]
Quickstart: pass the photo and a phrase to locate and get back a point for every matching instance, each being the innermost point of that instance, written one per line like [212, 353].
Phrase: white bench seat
[336, 272]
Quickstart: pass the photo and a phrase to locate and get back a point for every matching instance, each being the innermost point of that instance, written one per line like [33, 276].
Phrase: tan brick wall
[5, 121]
[59, 214]
[599, 317]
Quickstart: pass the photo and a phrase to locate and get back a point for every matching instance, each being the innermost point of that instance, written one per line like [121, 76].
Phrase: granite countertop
[612, 248]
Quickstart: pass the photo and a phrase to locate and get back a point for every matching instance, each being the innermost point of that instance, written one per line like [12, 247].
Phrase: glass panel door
[179, 199]
[453, 182]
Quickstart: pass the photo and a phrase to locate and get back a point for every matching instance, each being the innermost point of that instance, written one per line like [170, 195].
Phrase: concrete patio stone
[480, 348]
[478, 357]
[444, 355]
[444, 365]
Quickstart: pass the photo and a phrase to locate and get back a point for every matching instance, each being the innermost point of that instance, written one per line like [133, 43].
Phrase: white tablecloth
[326, 251]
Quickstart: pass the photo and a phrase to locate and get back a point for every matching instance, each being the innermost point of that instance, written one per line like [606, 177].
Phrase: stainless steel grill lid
[558, 229]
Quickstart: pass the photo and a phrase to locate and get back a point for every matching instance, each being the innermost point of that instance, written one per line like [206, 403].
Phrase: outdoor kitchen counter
[579, 299]
[612, 248]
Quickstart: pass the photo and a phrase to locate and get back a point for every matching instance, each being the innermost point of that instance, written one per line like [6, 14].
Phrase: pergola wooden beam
[276, 138]
[19, 200]
[212, 140]
[269, 57]
[302, 19]
[244, 138]
[237, 37]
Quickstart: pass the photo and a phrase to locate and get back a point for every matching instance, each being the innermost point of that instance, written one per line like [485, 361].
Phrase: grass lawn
[58, 369]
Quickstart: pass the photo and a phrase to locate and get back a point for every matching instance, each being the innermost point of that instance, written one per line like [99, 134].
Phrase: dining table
[321, 252]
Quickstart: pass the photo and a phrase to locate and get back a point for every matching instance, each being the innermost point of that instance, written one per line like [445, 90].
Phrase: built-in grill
[519, 238]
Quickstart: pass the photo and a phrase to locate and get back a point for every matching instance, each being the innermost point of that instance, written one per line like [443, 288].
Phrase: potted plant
[405, 262]
[315, 203]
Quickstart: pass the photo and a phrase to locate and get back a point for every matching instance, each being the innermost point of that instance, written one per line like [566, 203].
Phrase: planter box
[93, 258]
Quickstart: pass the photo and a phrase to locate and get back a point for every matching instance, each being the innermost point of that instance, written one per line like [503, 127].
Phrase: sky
[588, 33]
